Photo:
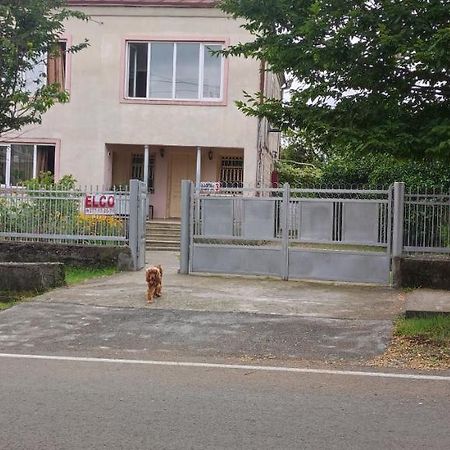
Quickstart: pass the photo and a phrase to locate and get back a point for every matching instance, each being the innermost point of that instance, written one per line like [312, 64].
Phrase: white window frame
[8, 159]
[173, 98]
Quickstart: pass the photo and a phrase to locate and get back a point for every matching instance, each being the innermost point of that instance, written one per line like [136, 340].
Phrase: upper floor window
[49, 69]
[174, 71]
[56, 65]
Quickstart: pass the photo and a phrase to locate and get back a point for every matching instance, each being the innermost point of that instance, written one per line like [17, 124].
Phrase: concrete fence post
[133, 226]
[398, 212]
[397, 231]
[285, 232]
[185, 236]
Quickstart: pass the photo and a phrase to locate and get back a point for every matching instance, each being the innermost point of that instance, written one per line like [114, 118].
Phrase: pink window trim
[139, 38]
[41, 141]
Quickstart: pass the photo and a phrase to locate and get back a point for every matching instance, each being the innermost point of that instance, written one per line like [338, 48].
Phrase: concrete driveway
[234, 294]
[206, 318]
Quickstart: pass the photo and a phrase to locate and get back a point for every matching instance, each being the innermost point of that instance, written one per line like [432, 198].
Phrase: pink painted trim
[43, 141]
[173, 102]
[176, 3]
[172, 38]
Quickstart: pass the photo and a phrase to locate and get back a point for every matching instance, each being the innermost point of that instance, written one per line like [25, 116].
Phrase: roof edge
[159, 3]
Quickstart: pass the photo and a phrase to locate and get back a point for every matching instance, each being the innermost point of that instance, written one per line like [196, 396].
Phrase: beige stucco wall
[96, 116]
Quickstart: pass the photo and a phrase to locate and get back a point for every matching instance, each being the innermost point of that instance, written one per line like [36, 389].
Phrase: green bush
[376, 170]
[298, 177]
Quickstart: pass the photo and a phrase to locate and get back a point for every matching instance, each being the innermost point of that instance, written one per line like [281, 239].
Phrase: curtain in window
[45, 159]
[56, 67]
[2, 165]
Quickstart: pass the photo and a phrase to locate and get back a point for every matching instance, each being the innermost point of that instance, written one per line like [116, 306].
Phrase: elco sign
[100, 204]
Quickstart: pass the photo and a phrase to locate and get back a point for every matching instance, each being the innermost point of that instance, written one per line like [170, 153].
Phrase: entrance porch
[164, 167]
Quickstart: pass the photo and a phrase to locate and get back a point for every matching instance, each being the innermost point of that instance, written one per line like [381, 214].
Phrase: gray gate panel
[217, 217]
[360, 222]
[339, 266]
[239, 260]
[316, 221]
[259, 218]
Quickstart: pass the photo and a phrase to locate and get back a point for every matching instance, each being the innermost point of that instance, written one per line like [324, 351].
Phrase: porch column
[198, 169]
[146, 156]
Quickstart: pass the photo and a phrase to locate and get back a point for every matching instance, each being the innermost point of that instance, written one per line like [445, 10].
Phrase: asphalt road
[95, 405]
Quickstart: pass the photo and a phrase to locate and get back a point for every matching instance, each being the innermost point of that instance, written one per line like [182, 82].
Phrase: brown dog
[153, 277]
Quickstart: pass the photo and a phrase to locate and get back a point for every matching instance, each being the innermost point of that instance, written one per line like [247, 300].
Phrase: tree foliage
[373, 75]
[29, 30]
[377, 170]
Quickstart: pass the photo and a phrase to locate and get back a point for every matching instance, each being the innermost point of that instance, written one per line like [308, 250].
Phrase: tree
[29, 31]
[371, 76]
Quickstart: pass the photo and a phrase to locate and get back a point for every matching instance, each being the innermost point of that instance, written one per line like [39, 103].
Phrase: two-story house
[150, 100]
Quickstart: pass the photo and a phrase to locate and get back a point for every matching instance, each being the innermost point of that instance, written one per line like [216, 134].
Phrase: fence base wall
[31, 277]
[339, 266]
[413, 272]
[75, 255]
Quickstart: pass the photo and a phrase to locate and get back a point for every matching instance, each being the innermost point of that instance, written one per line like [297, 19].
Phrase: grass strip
[76, 275]
[435, 328]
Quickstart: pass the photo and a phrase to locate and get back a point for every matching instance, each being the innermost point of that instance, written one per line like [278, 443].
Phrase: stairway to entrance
[163, 235]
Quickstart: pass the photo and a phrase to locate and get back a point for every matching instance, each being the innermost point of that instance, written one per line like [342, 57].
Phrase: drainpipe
[259, 146]
[146, 157]
[198, 169]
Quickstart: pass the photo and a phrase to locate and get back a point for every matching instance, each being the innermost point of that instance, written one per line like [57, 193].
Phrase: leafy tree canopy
[372, 76]
[29, 31]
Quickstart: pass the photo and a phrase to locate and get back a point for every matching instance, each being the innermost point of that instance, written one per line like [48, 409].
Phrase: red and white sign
[103, 204]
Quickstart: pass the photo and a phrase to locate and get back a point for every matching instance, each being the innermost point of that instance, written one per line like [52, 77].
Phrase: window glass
[187, 70]
[35, 77]
[197, 73]
[137, 170]
[21, 163]
[137, 80]
[161, 70]
[212, 72]
[2, 164]
[45, 159]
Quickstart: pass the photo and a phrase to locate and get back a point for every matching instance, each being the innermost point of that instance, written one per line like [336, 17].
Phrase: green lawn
[76, 275]
[8, 299]
[435, 328]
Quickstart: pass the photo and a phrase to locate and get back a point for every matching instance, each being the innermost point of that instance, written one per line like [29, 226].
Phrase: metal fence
[256, 214]
[426, 218]
[87, 215]
[426, 221]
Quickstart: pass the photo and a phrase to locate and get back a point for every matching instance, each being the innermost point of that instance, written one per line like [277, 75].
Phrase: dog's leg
[149, 295]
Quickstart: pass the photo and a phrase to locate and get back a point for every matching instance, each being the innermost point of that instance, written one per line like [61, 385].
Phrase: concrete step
[163, 240]
[163, 235]
[162, 227]
[162, 248]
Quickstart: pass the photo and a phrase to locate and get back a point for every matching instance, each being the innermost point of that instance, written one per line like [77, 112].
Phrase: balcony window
[174, 71]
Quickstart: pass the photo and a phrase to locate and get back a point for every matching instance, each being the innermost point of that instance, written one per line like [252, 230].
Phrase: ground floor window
[21, 162]
[232, 171]
[137, 170]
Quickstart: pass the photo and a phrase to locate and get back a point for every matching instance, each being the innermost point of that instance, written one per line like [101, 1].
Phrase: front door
[183, 168]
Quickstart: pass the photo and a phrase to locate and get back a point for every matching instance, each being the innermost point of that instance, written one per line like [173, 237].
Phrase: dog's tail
[160, 269]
